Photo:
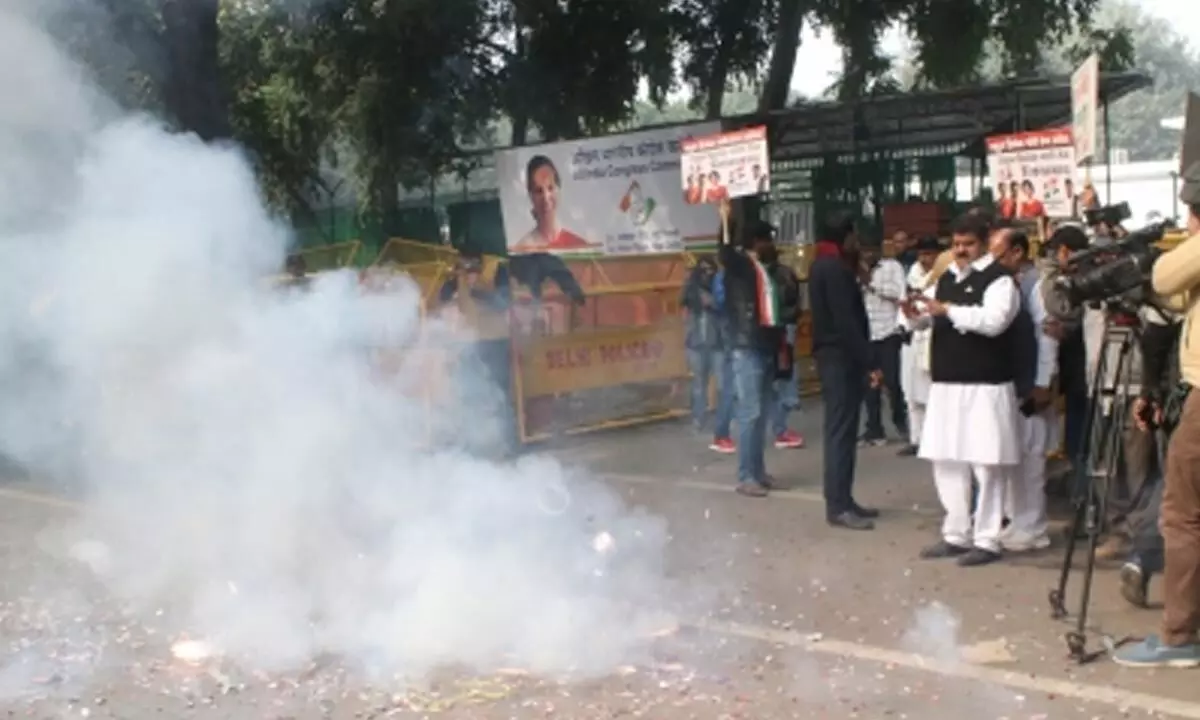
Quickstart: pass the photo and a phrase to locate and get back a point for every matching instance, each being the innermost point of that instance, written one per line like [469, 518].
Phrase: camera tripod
[1094, 471]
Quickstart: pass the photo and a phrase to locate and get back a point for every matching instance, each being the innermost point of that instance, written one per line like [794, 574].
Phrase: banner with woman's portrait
[1033, 174]
[726, 165]
[613, 195]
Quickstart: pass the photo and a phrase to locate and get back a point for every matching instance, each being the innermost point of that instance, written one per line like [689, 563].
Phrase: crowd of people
[976, 346]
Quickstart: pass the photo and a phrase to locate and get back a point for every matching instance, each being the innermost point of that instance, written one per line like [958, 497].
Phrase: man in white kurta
[971, 417]
[1026, 506]
[914, 356]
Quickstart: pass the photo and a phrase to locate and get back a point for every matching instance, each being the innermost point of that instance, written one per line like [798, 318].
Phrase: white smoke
[246, 462]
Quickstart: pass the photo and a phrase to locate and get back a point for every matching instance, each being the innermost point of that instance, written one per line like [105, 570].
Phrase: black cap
[1070, 236]
[762, 230]
[928, 244]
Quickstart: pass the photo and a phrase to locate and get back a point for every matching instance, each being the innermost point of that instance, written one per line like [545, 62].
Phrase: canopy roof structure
[947, 120]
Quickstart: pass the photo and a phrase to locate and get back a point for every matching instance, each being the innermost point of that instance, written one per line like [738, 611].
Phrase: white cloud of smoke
[245, 463]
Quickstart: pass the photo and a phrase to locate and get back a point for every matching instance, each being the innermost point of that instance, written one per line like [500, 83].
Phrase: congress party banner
[614, 195]
[1033, 173]
[726, 165]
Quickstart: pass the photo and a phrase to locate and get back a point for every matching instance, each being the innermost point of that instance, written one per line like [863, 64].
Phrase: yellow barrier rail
[330, 257]
[398, 251]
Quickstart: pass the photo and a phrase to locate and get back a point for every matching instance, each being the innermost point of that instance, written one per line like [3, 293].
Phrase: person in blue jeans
[704, 339]
[786, 386]
[754, 316]
[722, 433]
[787, 401]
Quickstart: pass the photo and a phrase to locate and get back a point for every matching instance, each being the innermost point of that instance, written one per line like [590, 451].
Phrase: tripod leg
[1058, 608]
[1106, 455]
[1080, 496]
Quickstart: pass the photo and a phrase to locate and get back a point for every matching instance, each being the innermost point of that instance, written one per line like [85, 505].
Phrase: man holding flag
[756, 321]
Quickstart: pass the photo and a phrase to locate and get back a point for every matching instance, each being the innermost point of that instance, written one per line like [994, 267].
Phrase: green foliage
[1164, 54]
[576, 65]
[393, 93]
[282, 98]
[723, 42]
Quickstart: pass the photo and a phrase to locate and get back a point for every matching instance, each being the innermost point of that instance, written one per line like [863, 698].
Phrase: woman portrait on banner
[544, 186]
[1006, 204]
[693, 193]
[1029, 207]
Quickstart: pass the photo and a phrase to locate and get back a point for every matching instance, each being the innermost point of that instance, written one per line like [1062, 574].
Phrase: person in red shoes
[787, 388]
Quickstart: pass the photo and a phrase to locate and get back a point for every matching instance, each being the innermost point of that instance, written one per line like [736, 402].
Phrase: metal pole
[1109, 155]
[1174, 195]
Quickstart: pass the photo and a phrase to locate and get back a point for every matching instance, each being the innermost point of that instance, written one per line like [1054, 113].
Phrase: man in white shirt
[1026, 500]
[971, 422]
[884, 286]
[914, 356]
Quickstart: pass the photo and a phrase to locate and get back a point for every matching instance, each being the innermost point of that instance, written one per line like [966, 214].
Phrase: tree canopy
[398, 92]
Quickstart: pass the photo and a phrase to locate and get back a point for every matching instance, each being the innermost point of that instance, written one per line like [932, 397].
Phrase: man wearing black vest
[971, 424]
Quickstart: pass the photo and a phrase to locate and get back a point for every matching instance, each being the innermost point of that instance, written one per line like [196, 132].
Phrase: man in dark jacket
[705, 340]
[754, 320]
[842, 349]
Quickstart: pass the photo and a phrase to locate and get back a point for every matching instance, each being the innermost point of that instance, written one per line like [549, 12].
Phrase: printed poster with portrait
[1033, 174]
[614, 195]
[726, 165]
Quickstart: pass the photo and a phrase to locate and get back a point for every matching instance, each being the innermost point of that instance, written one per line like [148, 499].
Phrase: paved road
[788, 618]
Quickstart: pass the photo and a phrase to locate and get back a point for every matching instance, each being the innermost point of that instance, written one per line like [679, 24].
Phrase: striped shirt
[881, 298]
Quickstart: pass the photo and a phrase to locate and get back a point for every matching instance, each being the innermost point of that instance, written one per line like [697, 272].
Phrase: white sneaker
[1022, 542]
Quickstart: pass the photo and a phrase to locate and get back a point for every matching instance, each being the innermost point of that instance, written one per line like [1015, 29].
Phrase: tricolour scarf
[769, 300]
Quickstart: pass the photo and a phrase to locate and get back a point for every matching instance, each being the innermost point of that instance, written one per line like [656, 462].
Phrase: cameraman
[1065, 324]
[1176, 279]
[1159, 337]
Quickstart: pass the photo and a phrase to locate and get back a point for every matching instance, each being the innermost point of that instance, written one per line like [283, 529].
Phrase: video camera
[1110, 215]
[1117, 271]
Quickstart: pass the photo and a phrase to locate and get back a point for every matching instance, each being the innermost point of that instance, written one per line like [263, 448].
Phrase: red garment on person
[826, 248]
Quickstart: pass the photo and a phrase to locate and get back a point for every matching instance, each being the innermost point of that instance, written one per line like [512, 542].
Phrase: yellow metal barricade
[617, 359]
[330, 257]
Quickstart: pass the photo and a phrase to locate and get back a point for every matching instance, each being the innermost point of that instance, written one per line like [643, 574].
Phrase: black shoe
[872, 441]
[908, 451]
[862, 512]
[1135, 583]
[942, 549]
[850, 521]
[751, 489]
[977, 557]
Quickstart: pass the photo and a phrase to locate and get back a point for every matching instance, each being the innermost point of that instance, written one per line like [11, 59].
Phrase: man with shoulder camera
[1141, 540]
[1064, 323]
[1176, 280]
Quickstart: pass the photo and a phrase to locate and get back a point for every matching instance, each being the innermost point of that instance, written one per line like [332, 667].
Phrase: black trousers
[842, 397]
[887, 359]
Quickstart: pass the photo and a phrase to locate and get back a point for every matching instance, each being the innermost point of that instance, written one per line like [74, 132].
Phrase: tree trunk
[777, 88]
[192, 90]
[715, 92]
[520, 129]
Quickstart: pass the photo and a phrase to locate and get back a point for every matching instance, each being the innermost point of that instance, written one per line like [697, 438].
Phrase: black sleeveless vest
[970, 358]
